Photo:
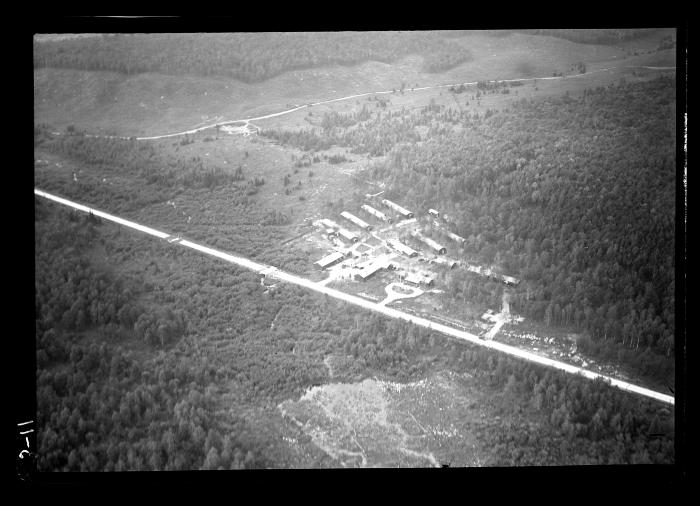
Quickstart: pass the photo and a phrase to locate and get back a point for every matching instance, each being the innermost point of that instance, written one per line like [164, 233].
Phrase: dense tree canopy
[249, 57]
[202, 400]
[576, 196]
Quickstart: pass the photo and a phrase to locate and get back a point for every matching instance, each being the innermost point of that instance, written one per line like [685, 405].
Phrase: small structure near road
[510, 280]
[330, 260]
[370, 268]
[433, 212]
[490, 273]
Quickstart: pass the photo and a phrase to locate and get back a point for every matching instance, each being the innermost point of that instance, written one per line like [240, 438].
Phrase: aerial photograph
[355, 249]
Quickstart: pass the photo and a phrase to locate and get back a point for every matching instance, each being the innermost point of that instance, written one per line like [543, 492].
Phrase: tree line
[104, 403]
[249, 57]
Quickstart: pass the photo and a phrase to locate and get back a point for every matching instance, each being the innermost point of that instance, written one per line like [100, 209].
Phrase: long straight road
[273, 272]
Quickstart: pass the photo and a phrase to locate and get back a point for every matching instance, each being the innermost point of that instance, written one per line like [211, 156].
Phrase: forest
[122, 383]
[249, 57]
[574, 194]
[194, 386]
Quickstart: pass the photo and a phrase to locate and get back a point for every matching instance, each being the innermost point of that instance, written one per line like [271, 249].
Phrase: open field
[377, 423]
[151, 104]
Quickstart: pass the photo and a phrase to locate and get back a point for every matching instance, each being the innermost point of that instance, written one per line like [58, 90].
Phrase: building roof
[402, 248]
[347, 234]
[371, 269]
[397, 207]
[445, 261]
[427, 240]
[455, 237]
[418, 278]
[357, 221]
[328, 223]
[330, 259]
[374, 212]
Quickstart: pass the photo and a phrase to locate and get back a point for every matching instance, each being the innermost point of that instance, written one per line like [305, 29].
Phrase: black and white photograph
[356, 249]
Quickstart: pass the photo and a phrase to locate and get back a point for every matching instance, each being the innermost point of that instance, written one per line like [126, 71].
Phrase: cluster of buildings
[367, 269]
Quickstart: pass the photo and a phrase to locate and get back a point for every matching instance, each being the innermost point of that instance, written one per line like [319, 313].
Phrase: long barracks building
[441, 250]
[402, 211]
[357, 221]
[402, 248]
[376, 213]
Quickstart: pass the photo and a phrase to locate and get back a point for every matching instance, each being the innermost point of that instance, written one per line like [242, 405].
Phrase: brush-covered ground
[150, 356]
[151, 103]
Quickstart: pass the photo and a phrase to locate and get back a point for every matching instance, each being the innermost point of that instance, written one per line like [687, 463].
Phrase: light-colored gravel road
[366, 304]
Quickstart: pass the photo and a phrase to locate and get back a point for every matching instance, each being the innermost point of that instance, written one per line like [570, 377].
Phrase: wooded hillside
[249, 57]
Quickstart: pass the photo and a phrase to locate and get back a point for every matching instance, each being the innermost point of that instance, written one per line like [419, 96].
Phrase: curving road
[273, 272]
[349, 97]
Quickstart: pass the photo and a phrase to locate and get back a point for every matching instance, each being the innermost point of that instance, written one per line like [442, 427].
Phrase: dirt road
[273, 272]
[350, 97]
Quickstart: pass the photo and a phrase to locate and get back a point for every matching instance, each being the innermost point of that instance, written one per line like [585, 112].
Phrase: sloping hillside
[104, 98]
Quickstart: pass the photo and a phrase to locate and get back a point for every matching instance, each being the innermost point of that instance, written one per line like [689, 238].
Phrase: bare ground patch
[377, 423]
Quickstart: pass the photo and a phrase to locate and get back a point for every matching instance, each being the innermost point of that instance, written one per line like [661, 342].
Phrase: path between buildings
[393, 295]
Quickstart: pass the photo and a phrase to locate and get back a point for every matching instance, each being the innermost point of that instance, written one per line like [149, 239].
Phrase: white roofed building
[329, 260]
[455, 237]
[402, 211]
[376, 213]
[441, 250]
[357, 221]
[326, 223]
[347, 235]
[402, 248]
